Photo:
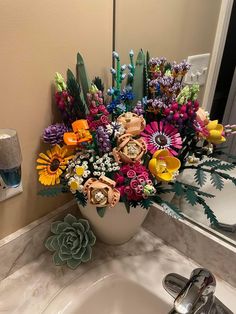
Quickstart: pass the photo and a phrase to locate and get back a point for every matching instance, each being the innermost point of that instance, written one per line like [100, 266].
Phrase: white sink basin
[111, 294]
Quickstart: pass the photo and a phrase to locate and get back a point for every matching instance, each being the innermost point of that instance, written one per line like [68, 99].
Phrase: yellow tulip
[215, 132]
[163, 165]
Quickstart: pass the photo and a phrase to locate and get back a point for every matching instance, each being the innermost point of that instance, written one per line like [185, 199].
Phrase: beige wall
[38, 38]
[172, 28]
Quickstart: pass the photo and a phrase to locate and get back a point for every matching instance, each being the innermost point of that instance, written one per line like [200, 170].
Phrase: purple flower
[103, 140]
[53, 134]
[138, 109]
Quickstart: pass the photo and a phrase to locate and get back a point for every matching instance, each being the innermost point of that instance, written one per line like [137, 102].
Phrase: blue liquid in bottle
[11, 177]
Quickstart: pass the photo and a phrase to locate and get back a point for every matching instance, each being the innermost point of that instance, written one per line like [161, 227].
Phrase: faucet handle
[201, 283]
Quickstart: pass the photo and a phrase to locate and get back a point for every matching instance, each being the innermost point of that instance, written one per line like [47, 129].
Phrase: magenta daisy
[162, 136]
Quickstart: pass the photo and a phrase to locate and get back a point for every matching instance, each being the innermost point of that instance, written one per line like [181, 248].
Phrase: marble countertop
[31, 288]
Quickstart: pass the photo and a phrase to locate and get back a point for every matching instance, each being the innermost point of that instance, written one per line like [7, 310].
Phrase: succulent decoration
[71, 242]
[130, 144]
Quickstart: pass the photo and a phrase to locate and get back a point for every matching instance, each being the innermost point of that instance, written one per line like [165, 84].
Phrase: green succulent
[71, 241]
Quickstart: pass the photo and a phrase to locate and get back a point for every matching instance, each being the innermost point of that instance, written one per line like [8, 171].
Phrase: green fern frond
[200, 177]
[81, 199]
[217, 181]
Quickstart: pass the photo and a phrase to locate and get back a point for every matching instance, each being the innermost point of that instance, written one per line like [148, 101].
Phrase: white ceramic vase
[117, 226]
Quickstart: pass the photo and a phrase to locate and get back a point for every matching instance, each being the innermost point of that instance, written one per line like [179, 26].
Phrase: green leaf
[82, 76]
[87, 254]
[211, 163]
[226, 166]
[200, 177]
[178, 188]
[57, 260]
[70, 219]
[51, 191]
[98, 82]
[138, 87]
[127, 206]
[208, 212]
[205, 194]
[74, 90]
[217, 181]
[92, 238]
[81, 199]
[73, 263]
[191, 197]
[101, 211]
[49, 243]
[146, 203]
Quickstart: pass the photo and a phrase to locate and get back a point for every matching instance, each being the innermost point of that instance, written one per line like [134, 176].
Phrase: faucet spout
[197, 291]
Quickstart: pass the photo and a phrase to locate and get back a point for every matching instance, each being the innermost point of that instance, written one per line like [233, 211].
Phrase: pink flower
[104, 119]
[131, 174]
[93, 111]
[128, 190]
[119, 179]
[162, 136]
[121, 190]
[141, 178]
[124, 169]
[134, 184]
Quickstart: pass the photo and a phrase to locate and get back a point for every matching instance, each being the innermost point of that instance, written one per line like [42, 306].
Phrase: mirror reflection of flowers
[131, 143]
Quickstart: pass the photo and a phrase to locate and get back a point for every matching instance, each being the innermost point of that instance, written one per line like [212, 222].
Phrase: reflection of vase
[117, 226]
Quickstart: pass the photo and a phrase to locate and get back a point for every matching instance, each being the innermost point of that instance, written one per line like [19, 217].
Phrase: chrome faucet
[196, 295]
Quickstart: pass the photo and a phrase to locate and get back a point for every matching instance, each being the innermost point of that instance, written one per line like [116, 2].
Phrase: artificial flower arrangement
[130, 144]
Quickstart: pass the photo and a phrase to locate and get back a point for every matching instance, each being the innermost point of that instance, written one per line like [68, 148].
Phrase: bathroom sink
[112, 294]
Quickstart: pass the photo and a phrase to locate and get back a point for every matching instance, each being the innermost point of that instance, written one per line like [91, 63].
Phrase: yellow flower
[163, 165]
[52, 164]
[215, 132]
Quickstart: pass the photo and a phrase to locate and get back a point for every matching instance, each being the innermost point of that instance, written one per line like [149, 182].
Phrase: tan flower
[132, 123]
[129, 150]
[101, 192]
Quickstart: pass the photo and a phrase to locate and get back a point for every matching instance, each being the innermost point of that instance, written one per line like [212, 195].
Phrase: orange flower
[79, 135]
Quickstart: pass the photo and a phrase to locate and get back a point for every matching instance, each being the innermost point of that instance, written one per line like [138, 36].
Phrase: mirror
[177, 30]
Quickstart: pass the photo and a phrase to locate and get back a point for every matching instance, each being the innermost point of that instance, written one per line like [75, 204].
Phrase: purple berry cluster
[103, 140]
[138, 109]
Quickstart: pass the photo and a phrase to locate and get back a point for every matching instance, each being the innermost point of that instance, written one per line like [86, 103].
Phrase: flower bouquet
[129, 145]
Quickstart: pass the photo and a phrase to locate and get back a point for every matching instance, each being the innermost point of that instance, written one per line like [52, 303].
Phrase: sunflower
[162, 136]
[52, 164]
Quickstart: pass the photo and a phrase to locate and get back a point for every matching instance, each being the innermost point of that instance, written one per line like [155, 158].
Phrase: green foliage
[146, 203]
[210, 163]
[81, 199]
[74, 90]
[51, 191]
[98, 82]
[200, 177]
[226, 166]
[217, 181]
[71, 241]
[82, 76]
[208, 212]
[178, 188]
[191, 197]
[101, 211]
[138, 87]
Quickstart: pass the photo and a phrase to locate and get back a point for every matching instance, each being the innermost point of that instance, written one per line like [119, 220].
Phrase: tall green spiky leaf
[200, 177]
[217, 181]
[74, 90]
[138, 81]
[82, 76]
